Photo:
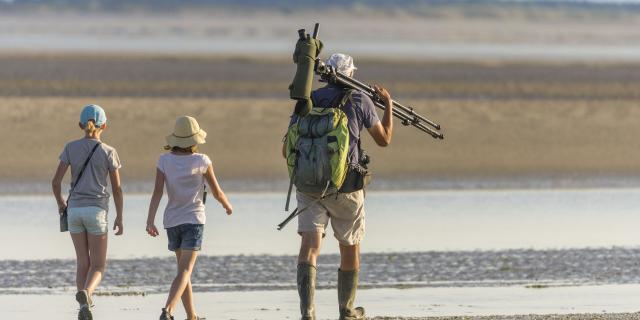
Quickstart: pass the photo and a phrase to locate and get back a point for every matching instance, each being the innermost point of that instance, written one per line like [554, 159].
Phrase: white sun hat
[186, 133]
[341, 62]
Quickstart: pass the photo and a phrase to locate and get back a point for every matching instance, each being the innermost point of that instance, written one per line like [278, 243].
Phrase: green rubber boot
[347, 286]
[307, 290]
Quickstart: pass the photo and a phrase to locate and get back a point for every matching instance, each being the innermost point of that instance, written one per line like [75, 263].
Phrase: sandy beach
[510, 121]
[524, 93]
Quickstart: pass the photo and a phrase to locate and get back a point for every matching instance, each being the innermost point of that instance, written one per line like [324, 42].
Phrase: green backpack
[316, 149]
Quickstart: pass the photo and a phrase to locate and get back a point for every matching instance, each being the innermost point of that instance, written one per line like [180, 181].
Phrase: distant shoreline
[549, 31]
[277, 47]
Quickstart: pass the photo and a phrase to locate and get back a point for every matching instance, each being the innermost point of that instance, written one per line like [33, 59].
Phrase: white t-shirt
[184, 181]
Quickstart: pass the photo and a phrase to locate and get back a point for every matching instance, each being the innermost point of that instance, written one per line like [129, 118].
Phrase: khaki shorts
[346, 212]
[92, 220]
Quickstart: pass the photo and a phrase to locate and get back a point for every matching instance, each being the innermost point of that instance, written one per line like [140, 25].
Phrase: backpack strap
[338, 101]
[346, 97]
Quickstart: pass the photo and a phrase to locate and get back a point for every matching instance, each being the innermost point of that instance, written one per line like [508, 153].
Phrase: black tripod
[406, 115]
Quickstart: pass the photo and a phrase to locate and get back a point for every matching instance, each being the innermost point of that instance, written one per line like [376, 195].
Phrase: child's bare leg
[98, 258]
[82, 258]
[185, 266]
[187, 295]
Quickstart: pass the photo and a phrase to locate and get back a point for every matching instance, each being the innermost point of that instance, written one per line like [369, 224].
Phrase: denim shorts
[185, 236]
[92, 220]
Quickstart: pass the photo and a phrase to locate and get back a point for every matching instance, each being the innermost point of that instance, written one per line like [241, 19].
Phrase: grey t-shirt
[91, 190]
[362, 113]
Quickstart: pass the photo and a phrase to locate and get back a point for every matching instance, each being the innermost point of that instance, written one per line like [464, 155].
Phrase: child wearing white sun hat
[183, 172]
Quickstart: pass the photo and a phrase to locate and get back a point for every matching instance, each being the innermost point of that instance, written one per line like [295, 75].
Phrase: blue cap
[93, 112]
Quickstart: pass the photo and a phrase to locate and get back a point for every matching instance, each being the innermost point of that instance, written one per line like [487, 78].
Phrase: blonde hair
[90, 127]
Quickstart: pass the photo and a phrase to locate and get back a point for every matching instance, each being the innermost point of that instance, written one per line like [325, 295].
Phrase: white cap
[341, 62]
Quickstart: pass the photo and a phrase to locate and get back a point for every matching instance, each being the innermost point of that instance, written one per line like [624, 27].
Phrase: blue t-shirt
[362, 113]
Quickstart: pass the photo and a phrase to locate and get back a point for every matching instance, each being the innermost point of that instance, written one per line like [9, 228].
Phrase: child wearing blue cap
[91, 162]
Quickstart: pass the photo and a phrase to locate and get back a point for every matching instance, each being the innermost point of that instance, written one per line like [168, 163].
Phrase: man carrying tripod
[344, 208]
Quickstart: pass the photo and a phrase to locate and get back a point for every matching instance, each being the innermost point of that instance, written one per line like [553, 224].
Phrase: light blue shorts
[93, 220]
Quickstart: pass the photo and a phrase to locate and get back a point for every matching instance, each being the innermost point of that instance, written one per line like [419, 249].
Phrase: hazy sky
[603, 1]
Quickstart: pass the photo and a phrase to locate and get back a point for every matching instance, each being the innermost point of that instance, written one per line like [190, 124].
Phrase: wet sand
[580, 316]
[533, 269]
[424, 303]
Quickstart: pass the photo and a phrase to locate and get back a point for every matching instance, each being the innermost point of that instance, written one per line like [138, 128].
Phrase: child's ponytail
[90, 127]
